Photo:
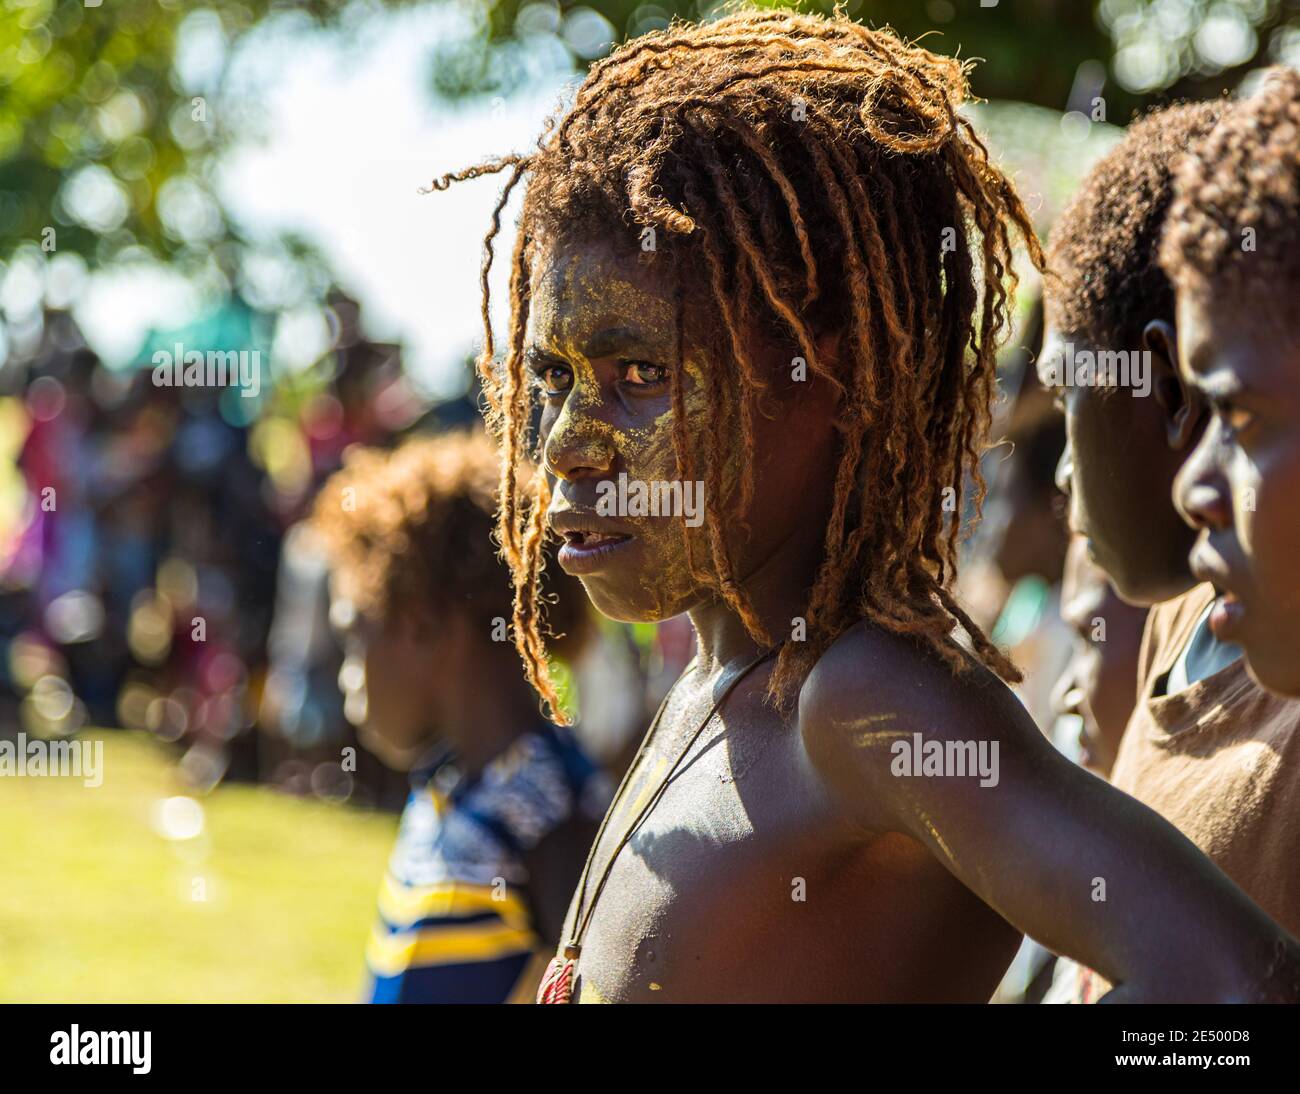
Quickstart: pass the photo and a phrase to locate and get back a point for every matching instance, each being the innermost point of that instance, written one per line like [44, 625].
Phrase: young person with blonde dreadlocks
[766, 255]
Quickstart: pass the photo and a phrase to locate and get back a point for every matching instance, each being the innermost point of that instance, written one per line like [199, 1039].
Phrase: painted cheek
[665, 587]
[698, 417]
[648, 451]
[674, 584]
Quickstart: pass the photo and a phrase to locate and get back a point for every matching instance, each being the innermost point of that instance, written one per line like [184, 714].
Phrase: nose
[1201, 492]
[579, 444]
[1064, 469]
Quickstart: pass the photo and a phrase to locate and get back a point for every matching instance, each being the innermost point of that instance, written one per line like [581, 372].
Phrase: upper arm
[1081, 867]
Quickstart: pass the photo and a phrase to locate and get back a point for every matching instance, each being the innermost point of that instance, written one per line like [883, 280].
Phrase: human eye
[552, 379]
[642, 373]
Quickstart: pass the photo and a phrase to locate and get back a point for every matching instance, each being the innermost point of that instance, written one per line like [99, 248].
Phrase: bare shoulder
[873, 688]
[869, 672]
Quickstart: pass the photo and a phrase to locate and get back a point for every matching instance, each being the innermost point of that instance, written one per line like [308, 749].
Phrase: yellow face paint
[599, 323]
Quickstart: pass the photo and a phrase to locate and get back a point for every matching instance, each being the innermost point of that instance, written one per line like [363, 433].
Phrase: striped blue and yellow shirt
[454, 923]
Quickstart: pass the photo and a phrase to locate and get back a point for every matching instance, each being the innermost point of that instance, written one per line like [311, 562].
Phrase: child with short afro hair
[503, 803]
[1233, 252]
[1106, 294]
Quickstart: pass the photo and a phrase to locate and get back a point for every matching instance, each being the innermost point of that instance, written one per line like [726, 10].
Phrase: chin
[1145, 594]
[624, 611]
[1277, 667]
[1143, 587]
[398, 756]
[633, 606]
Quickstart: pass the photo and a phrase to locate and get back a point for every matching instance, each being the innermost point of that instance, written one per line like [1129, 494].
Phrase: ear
[1160, 338]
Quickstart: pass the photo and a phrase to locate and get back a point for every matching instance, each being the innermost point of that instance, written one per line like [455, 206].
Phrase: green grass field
[97, 906]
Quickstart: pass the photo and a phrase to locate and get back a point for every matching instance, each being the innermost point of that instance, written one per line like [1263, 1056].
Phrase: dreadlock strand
[484, 363]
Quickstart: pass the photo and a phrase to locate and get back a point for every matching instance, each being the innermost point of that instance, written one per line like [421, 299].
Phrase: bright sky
[351, 133]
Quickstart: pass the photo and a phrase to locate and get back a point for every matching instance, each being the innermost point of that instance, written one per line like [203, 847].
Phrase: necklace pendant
[557, 982]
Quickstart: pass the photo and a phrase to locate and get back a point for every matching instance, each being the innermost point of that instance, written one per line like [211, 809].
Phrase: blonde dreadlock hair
[825, 168]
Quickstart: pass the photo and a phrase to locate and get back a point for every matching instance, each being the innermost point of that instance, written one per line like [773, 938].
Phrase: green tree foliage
[101, 141]
[1030, 48]
[107, 142]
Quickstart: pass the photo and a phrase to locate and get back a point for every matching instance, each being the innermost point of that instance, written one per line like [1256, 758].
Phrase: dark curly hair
[804, 174]
[1236, 213]
[1105, 278]
[408, 535]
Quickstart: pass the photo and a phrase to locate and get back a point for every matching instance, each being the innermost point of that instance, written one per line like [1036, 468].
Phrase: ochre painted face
[1239, 486]
[601, 346]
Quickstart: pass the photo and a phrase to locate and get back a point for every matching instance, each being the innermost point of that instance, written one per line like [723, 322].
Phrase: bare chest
[717, 855]
[741, 883]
